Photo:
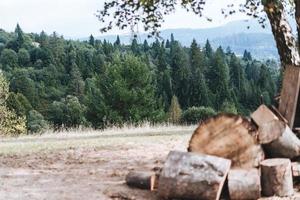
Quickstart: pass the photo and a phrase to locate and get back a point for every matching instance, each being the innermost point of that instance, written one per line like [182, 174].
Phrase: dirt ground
[92, 168]
[83, 167]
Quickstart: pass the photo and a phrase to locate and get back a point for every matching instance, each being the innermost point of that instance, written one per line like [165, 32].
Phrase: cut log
[286, 146]
[270, 131]
[192, 176]
[296, 169]
[142, 180]
[276, 177]
[228, 136]
[263, 115]
[244, 184]
[279, 115]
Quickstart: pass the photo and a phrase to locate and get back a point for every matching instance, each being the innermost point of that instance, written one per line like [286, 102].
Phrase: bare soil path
[82, 167]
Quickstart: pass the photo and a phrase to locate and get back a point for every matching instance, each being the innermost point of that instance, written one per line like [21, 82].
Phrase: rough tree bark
[286, 146]
[192, 176]
[282, 31]
[142, 180]
[276, 177]
[244, 184]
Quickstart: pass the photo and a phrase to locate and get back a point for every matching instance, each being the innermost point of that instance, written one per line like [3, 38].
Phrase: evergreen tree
[135, 46]
[76, 84]
[208, 50]
[92, 40]
[219, 79]
[117, 42]
[145, 46]
[19, 36]
[181, 74]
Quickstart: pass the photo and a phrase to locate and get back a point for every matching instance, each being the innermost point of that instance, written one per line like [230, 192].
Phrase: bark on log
[244, 184]
[228, 136]
[296, 169]
[192, 176]
[276, 177]
[286, 146]
[142, 180]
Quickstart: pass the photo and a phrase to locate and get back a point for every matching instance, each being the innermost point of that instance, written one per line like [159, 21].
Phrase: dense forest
[58, 83]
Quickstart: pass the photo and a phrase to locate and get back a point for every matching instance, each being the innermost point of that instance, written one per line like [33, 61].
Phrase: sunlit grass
[111, 137]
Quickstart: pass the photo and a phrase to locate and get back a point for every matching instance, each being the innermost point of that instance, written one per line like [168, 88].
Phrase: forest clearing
[83, 166]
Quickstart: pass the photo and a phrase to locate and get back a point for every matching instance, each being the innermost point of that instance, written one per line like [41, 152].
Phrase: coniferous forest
[54, 82]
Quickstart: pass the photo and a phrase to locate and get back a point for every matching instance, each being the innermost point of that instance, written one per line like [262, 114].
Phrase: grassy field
[90, 138]
[85, 164]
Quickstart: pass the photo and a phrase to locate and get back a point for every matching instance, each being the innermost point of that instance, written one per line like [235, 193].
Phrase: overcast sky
[76, 18]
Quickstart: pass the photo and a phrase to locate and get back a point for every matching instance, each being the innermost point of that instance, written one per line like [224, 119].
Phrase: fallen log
[276, 177]
[142, 180]
[228, 136]
[244, 184]
[192, 176]
[286, 146]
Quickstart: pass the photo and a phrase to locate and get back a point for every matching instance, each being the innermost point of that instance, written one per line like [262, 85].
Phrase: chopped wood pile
[230, 157]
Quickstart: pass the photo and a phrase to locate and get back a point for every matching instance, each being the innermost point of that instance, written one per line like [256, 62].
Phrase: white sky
[76, 18]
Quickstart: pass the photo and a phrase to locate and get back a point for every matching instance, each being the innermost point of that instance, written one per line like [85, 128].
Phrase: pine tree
[117, 42]
[135, 47]
[76, 84]
[218, 77]
[145, 46]
[208, 50]
[181, 74]
[92, 40]
[175, 111]
[19, 36]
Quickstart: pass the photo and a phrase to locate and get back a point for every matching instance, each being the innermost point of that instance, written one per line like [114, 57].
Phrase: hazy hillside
[239, 35]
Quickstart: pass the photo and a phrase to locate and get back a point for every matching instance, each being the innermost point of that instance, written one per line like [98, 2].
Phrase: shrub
[36, 122]
[10, 123]
[228, 107]
[195, 115]
[175, 111]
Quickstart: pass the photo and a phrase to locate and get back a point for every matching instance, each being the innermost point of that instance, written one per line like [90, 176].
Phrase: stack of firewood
[230, 157]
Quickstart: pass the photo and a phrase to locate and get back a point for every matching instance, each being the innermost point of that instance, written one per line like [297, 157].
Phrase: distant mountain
[238, 35]
[261, 45]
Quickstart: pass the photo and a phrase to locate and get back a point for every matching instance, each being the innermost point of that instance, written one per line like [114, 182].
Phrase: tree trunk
[192, 176]
[276, 177]
[244, 184]
[286, 146]
[282, 32]
[228, 136]
[297, 19]
[142, 180]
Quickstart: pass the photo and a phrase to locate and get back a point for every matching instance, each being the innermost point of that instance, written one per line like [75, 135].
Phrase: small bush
[36, 122]
[195, 115]
[228, 107]
[175, 111]
[10, 123]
